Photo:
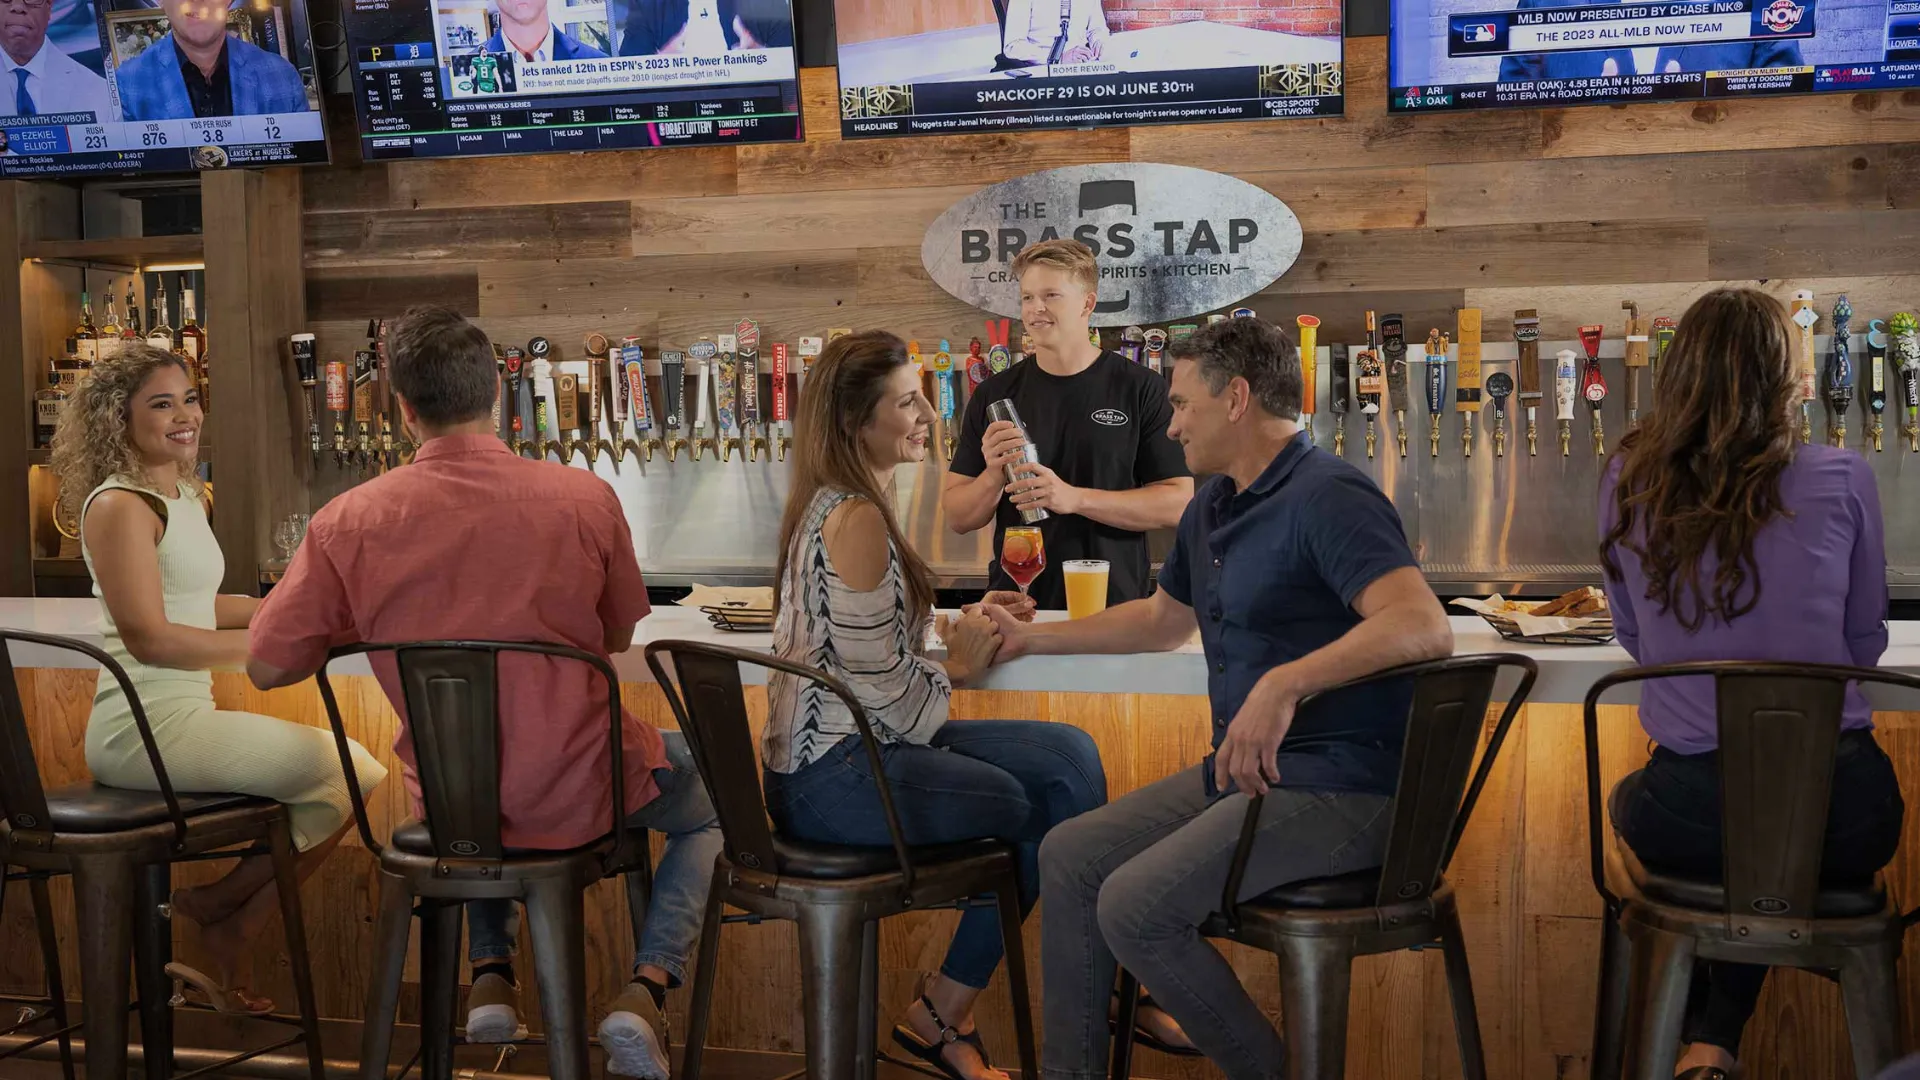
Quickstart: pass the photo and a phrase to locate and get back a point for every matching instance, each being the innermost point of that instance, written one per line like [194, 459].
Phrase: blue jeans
[1006, 780]
[680, 882]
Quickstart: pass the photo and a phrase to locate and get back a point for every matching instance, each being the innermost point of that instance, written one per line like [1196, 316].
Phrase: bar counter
[1529, 910]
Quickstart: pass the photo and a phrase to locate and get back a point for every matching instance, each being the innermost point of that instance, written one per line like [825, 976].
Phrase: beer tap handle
[1340, 440]
[1372, 440]
[1400, 429]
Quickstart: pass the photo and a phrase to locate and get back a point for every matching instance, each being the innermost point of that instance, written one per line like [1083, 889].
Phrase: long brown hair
[842, 392]
[1701, 476]
[90, 442]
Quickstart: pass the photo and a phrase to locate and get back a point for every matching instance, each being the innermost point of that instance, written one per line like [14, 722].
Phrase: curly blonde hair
[90, 443]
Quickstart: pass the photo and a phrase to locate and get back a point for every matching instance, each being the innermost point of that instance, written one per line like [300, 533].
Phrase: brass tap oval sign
[1172, 241]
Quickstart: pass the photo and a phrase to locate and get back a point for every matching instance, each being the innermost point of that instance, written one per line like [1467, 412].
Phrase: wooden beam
[255, 300]
[16, 555]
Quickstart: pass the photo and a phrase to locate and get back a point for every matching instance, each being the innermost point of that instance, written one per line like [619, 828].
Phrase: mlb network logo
[1478, 33]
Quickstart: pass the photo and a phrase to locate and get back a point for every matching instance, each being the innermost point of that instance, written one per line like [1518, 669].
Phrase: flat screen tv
[1019, 65]
[114, 87]
[452, 78]
[1474, 54]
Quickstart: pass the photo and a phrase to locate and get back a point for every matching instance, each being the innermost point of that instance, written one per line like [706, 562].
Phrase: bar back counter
[1530, 913]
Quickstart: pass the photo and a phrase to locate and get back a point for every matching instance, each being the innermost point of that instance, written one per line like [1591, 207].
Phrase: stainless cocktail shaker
[1029, 454]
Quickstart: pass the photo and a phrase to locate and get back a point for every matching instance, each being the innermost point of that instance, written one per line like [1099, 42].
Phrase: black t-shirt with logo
[1105, 428]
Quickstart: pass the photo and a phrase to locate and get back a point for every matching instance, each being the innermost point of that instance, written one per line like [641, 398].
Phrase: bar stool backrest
[1778, 727]
[452, 695]
[709, 703]
[1434, 798]
[23, 797]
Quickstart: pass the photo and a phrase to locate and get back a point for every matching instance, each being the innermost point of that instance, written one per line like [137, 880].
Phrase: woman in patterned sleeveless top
[854, 601]
[126, 452]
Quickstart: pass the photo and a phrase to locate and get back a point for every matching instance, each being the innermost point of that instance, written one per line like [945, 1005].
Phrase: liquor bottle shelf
[128, 251]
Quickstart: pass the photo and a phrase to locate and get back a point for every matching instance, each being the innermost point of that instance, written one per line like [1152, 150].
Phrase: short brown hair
[1250, 349]
[1071, 256]
[443, 365]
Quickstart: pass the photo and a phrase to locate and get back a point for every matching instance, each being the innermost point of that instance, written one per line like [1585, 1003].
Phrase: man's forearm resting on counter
[1158, 623]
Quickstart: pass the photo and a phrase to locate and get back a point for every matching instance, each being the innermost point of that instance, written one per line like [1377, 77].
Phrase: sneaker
[493, 1013]
[634, 1035]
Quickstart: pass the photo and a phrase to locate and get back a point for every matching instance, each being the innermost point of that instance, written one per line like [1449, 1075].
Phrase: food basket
[1511, 622]
[1596, 632]
[739, 618]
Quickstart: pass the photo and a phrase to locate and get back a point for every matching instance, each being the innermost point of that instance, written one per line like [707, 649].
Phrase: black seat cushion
[1356, 890]
[1833, 901]
[837, 862]
[96, 808]
[413, 838]
[828, 862]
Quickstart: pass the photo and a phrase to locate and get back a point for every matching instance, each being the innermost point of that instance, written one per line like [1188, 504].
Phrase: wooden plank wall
[1566, 210]
[1529, 910]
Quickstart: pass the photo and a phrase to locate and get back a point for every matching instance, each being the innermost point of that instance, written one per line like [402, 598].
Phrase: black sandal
[934, 1054]
[1143, 1035]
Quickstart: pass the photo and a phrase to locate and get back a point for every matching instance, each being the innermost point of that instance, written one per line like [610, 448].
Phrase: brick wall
[1318, 18]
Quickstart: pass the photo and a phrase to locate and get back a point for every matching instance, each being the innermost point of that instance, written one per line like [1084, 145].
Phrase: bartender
[1107, 471]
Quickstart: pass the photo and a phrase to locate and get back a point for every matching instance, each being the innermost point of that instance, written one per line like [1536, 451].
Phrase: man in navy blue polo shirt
[1296, 571]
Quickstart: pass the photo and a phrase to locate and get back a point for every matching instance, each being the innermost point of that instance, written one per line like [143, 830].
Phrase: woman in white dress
[126, 452]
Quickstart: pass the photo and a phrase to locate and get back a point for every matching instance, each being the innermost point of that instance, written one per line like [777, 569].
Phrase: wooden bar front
[1529, 909]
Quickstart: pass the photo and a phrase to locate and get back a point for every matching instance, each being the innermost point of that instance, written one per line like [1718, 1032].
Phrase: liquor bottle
[193, 340]
[85, 337]
[107, 345]
[46, 410]
[193, 345]
[160, 333]
[131, 332]
[69, 369]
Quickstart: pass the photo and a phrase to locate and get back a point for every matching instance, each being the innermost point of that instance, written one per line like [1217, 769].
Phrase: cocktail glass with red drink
[1023, 555]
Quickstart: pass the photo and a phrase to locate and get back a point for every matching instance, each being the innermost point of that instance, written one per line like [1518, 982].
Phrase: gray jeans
[1132, 882]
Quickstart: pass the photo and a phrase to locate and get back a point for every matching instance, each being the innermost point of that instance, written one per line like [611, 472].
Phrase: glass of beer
[1023, 554]
[1086, 586]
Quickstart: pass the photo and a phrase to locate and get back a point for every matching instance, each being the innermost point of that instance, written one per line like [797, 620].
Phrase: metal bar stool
[120, 846]
[1317, 927]
[451, 689]
[1779, 728]
[836, 894]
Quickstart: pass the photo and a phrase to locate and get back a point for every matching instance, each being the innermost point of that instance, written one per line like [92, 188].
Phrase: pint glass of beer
[1086, 586]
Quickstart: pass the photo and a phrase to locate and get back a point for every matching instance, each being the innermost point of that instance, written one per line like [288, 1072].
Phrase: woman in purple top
[1724, 539]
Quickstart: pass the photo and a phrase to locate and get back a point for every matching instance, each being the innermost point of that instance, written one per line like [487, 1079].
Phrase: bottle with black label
[47, 402]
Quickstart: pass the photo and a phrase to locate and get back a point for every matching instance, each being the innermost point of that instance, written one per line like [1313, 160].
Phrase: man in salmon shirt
[414, 556]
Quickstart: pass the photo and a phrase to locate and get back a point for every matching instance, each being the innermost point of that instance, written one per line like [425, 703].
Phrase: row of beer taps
[357, 391]
[1376, 375]
[618, 400]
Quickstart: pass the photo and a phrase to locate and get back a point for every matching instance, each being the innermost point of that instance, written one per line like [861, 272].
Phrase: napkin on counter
[754, 598]
[1531, 625]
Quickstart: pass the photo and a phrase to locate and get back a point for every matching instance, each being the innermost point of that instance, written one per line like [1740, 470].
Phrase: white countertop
[1566, 671]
